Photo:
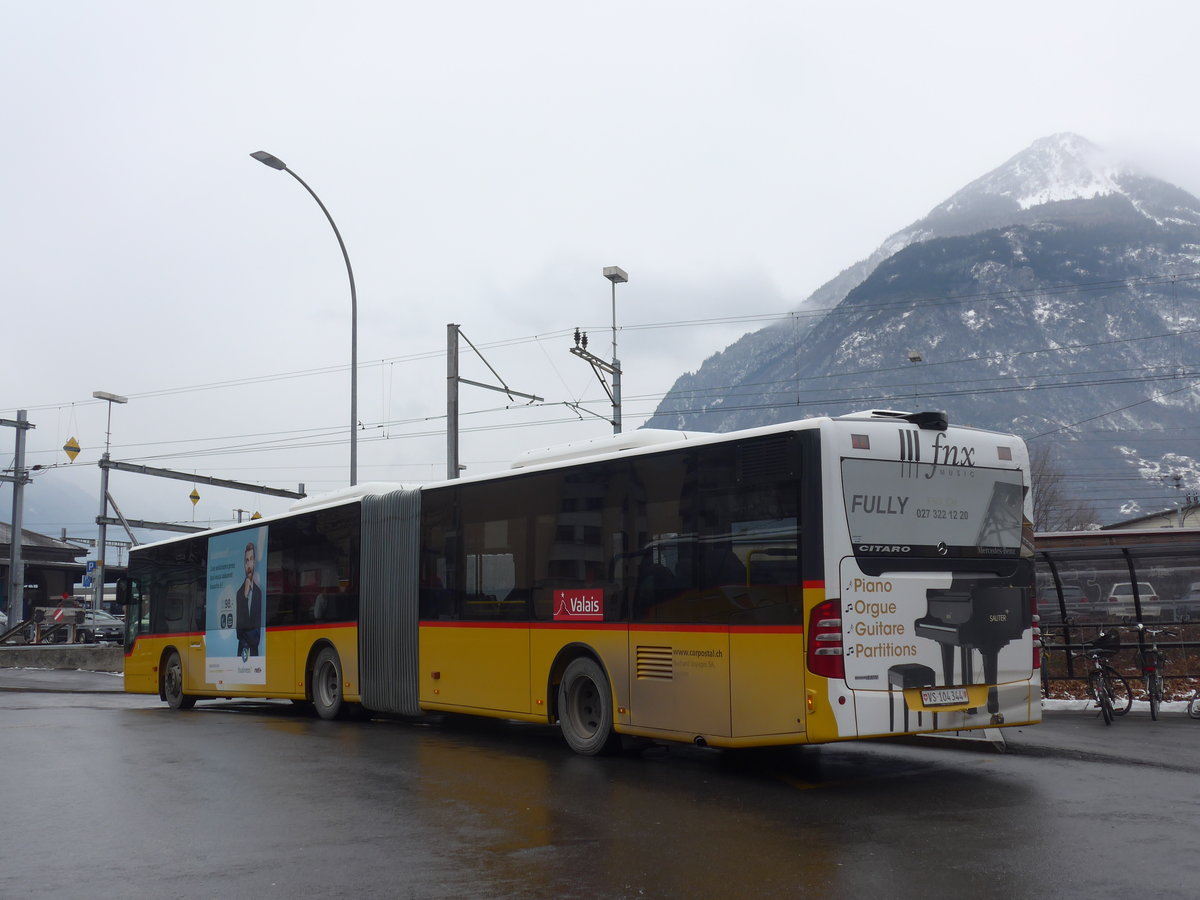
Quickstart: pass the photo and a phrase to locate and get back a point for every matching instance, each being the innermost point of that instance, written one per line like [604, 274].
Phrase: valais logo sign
[579, 606]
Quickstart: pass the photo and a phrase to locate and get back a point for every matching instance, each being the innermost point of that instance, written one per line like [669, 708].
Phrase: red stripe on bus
[623, 626]
[594, 626]
[179, 635]
[721, 629]
[551, 626]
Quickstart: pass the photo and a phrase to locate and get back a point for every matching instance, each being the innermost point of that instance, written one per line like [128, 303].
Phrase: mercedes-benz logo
[942, 549]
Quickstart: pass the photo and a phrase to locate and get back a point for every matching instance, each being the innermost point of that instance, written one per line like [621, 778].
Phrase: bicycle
[1153, 663]
[1108, 687]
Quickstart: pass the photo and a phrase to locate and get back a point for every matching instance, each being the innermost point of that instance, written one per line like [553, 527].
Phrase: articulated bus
[821, 580]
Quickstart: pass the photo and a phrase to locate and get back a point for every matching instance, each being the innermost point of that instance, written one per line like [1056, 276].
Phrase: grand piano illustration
[982, 612]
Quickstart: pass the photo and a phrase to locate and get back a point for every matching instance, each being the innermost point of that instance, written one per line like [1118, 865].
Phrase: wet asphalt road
[112, 795]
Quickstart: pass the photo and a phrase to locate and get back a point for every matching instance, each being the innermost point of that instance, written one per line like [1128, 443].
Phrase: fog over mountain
[1055, 296]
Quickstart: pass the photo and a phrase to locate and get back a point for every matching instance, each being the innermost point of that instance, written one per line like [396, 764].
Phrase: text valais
[579, 606]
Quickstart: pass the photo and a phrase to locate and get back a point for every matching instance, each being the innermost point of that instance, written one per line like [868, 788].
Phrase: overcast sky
[483, 162]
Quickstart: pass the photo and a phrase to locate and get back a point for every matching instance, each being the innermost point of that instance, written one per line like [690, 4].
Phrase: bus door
[180, 614]
[767, 647]
[195, 663]
[140, 673]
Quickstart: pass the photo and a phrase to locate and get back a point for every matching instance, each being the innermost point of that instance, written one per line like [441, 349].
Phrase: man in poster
[249, 609]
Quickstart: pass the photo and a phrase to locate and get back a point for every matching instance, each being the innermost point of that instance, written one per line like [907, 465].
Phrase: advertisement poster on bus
[939, 617]
[235, 635]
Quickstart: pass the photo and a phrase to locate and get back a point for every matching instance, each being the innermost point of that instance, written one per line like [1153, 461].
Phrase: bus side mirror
[128, 593]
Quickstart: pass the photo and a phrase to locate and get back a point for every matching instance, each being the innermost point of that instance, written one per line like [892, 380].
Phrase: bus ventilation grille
[655, 662]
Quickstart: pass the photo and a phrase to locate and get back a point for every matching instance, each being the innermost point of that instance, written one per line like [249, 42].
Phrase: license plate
[944, 696]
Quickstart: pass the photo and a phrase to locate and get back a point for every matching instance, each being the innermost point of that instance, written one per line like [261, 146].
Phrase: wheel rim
[174, 677]
[327, 685]
[584, 707]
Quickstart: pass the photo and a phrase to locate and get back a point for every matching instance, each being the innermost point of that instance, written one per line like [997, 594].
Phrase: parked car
[1075, 600]
[1120, 601]
[100, 627]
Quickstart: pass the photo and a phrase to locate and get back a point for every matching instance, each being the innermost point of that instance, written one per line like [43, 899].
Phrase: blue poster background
[226, 574]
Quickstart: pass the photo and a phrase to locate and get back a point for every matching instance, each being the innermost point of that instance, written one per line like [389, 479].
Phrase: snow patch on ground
[1168, 706]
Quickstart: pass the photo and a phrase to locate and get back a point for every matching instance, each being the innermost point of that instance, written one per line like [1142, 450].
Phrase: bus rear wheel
[327, 684]
[585, 710]
[173, 683]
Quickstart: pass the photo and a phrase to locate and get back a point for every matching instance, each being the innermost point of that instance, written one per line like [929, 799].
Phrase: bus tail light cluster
[825, 647]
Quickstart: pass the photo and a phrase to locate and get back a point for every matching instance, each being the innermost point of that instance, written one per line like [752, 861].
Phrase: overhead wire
[842, 308]
[316, 435]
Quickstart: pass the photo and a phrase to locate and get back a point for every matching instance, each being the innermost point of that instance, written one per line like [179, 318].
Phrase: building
[52, 567]
[1186, 515]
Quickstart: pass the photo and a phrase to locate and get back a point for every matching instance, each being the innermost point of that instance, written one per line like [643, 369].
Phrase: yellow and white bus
[820, 580]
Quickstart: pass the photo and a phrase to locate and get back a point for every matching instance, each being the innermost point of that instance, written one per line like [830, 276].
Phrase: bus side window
[721, 565]
[175, 612]
[655, 582]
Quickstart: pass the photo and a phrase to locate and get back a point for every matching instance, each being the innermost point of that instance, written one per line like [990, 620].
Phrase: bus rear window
[921, 509]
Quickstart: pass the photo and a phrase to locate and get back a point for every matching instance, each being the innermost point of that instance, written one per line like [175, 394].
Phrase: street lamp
[275, 163]
[102, 537]
[616, 275]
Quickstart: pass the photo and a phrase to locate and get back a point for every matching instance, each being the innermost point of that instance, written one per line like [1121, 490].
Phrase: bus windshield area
[932, 511]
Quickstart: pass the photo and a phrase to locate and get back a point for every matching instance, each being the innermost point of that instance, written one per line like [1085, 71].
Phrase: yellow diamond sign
[194, 496]
[71, 448]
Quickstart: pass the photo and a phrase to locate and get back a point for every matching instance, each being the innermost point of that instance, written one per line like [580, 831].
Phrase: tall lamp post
[616, 275]
[275, 163]
[102, 537]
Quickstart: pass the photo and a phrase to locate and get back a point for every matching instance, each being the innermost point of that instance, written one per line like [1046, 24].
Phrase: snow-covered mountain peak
[1059, 167]
[1019, 291]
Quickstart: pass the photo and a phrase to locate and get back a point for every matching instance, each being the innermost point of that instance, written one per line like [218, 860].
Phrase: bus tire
[327, 684]
[585, 708]
[173, 683]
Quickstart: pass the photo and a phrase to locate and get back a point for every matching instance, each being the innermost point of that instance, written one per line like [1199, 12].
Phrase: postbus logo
[579, 606]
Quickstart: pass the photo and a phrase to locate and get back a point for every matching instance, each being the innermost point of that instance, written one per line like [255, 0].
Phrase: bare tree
[1053, 508]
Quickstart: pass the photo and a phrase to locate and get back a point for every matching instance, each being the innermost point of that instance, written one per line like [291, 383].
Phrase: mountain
[1056, 296]
[53, 507]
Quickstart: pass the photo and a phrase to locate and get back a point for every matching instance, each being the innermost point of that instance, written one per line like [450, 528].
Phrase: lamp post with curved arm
[275, 163]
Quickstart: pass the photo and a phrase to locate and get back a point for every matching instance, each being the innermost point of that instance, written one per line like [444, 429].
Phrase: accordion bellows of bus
[820, 580]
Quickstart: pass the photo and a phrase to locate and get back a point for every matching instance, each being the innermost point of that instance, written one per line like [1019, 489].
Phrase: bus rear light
[825, 649]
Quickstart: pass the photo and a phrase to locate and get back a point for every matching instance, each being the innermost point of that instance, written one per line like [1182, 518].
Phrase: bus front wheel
[173, 684]
[327, 684]
[585, 710]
